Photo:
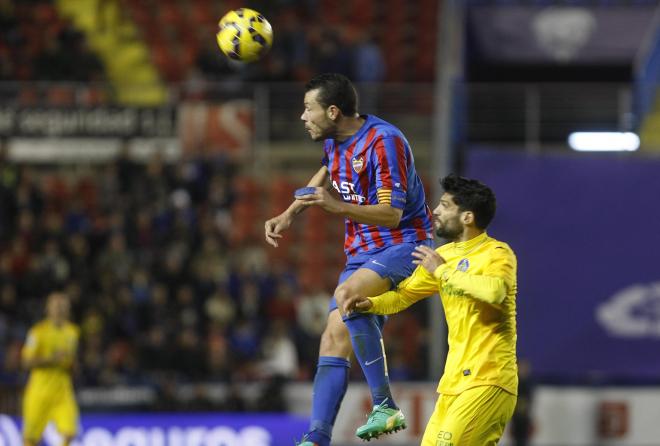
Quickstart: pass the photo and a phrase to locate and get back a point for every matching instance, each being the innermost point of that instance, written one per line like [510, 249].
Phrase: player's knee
[343, 293]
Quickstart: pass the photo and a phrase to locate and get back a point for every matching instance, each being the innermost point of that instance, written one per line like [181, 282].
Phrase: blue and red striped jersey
[374, 166]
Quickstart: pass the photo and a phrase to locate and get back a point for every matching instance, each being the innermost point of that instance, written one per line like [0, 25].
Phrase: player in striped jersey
[369, 164]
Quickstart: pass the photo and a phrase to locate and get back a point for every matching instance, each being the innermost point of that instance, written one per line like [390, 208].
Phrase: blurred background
[137, 166]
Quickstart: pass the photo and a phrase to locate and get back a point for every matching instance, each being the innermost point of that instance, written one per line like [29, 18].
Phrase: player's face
[317, 123]
[57, 307]
[447, 218]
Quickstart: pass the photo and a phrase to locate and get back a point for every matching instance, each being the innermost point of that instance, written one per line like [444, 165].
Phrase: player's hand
[274, 227]
[428, 258]
[358, 304]
[323, 199]
[58, 358]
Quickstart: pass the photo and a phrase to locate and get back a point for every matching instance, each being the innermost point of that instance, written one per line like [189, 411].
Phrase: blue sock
[370, 353]
[330, 385]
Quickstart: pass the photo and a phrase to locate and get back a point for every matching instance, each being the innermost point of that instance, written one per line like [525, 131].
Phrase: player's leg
[331, 378]
[35, 417]
[434, 434]
[377, 274]
[365, 332]
[330, 381]
[495, 411]
[476, 417]
[65, 416]
[366, 337]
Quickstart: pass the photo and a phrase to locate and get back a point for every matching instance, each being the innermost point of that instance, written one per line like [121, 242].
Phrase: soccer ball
[244, 35]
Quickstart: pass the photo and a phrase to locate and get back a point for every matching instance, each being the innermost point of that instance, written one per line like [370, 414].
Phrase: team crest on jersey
[463, 265]
[358, 164]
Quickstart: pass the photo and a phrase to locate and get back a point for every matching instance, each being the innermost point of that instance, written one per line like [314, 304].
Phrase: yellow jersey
[44, 340]
[477, 285]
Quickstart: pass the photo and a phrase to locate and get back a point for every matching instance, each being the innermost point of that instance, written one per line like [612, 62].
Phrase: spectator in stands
[368, 70]
[220, 309]
[330, 54]
[8, 36]
[68, 58]
[10, 358]
[521, 423]
[272, 398]
[280, 358]
[190, 355]
[211, 63]
[6, 66]
[167, 394]
[233, 401]
[200, 401]
[289, 52]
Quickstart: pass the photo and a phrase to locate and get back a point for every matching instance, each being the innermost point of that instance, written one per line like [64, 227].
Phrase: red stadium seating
[394, 23]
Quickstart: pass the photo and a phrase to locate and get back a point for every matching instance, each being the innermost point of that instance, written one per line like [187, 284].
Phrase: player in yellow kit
[49, 353]
[475, 276]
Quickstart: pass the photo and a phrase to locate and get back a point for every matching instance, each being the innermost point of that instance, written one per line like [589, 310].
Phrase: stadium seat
[361, 12]
[55, 189]
[59, 95]
[28, 95]
[331, 12]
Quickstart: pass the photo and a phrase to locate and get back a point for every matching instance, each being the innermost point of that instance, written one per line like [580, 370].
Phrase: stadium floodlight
[603, 141]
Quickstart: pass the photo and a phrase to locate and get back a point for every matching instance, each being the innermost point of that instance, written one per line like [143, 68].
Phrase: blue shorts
[393, 262]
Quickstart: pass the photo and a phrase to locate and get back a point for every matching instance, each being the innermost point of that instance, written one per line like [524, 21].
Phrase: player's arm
[274, 227]
[36, 362]
[68, 356]
[391, 173]
[492, 285]
[57, 359]
[381, 214]
[419, 285]
[30, 358]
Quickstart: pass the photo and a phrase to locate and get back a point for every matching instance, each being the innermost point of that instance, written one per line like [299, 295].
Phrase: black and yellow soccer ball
[244, 35]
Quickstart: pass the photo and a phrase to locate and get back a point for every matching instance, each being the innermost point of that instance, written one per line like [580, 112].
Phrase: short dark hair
[471, 195]
[335, 89]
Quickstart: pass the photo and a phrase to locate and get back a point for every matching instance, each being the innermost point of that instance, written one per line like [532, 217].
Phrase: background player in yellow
[49, 354]
[475, 276]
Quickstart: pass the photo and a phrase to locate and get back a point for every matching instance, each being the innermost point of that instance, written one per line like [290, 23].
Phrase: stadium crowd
[161, 286]
[38, 44]
[169, 283]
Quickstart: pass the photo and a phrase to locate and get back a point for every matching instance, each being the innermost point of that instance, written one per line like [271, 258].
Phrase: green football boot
[382, 420]
[305, 441]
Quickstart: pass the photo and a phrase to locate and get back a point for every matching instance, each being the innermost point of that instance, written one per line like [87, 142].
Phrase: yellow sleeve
[419, 285]
[491, 286]
[70, 352]
[29, 351]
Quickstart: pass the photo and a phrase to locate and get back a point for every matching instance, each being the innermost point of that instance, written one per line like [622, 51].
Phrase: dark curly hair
[335, 89]
[471, 195]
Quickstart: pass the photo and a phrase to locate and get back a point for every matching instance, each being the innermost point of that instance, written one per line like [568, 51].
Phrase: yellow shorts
[39, 408]
[475, 417]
